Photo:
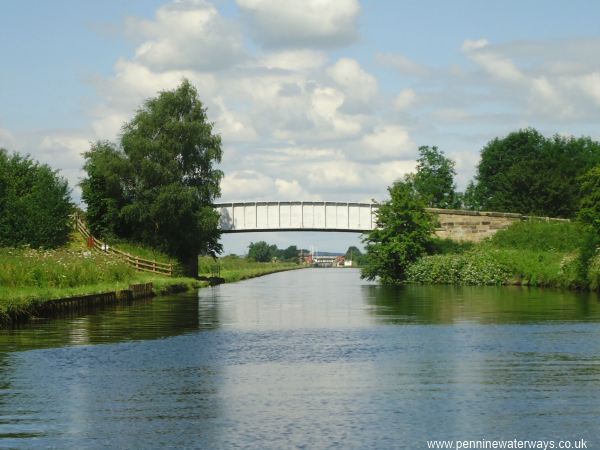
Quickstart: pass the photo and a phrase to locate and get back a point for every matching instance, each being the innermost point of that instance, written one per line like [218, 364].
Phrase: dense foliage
[535, 253]
[528, 173]
[403, 234]
[263, 252]
[434, 178]
[34, 203]
[589, 208]
[158, 186]
[539, 235]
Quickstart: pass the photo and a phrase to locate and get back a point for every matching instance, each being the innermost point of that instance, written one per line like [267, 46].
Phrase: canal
[315, 358]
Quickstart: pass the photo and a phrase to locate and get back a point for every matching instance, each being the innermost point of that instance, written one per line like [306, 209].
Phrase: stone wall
[473, 226]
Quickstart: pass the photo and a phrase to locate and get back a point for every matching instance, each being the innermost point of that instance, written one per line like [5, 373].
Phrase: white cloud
[232, 127]
[360, 88]
[187, 34]
[293, 60]
[292, 190]
[325, 114]
[310, 23]
[589, 85]
[386, 142]
[246, 185]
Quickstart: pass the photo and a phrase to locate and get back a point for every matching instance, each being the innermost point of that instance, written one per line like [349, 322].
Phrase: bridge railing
[139, 264]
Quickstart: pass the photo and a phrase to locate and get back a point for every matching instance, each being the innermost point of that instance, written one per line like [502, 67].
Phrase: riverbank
[234, 268]
[31, 280]
[533, 253]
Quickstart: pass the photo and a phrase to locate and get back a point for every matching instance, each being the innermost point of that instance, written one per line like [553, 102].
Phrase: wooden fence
[140, 264]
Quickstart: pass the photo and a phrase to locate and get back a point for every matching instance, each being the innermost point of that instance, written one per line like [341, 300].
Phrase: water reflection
[455, 304]
[307, 359]
[156, 318]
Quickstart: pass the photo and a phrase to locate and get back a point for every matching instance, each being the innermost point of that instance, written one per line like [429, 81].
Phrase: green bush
[594, 272]
[542, 236]
[589, 208]
[476, 268]
[439, 246]
[34, 204]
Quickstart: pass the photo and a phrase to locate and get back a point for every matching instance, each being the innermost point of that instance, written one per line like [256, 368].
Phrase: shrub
[476, 268]
[445, 246]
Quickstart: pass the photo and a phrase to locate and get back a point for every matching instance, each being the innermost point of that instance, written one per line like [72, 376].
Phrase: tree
[528, 173]
[106, 190]
[404, 231]
[158, 187]
[261, 251]
[352, 253]
[289, 254]
[34, 203]
[434, 179]
[589, 211]
[355, 255]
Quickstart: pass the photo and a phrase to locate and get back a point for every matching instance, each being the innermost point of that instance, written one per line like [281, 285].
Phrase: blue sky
[315, 100]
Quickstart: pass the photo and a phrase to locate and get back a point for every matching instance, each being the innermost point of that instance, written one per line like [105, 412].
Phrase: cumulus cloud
[552, 88]
[300, 122]
[187, 34]
[245, 185]
[386, 142]
[293, 60]
[310, 23]
[360, 88]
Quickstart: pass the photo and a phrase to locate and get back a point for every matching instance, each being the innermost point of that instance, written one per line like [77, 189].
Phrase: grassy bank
[30, 277]
[234, 268]
[533, 253]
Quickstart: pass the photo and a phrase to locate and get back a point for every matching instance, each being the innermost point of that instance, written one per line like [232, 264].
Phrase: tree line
[157, 183]
[261, 251]
[523, 172]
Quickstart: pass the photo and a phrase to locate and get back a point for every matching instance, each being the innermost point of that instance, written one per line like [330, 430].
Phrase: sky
[314, 99]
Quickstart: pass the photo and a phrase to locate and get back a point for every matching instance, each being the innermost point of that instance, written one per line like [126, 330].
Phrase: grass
[29, 277]
[235, 268]
[142, 251]
[532, 253]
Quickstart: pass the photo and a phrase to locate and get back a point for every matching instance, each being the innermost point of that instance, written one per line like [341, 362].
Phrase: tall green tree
[528, 173]
[106, 189]
[404, 232]
[289, 254]
[159, 185]
[34, 203]
[261, 251]
[589, 208]
[434, 178]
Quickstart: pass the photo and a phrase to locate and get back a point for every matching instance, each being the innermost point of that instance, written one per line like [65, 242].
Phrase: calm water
[307, 359]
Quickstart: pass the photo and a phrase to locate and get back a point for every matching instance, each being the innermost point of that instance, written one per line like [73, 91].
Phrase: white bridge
[297, 216]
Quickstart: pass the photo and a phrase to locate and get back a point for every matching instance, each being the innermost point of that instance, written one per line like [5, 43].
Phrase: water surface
[307, 359]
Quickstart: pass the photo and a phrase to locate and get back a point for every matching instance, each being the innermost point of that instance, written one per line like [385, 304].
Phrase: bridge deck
[349, 217]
